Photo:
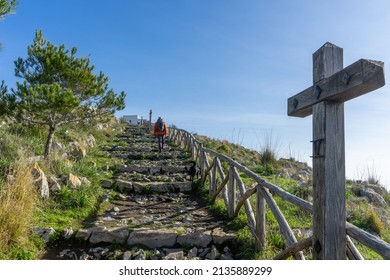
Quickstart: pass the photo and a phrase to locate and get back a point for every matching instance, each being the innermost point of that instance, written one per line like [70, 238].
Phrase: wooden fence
[235, 196]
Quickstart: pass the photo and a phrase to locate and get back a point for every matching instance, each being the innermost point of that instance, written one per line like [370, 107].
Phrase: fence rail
[235, 195]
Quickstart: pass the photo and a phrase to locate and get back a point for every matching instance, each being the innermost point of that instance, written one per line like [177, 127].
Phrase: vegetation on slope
[360, 212]
[21, 207]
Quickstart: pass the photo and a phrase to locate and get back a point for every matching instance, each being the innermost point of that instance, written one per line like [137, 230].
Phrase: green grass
[66, 208]
[365, 218]
[70, 207]
[28, 250]
[363, 215]
[244, 242]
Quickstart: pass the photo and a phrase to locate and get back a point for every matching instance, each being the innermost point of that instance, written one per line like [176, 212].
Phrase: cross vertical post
[150, 121]
[328, 163]
[332, 86]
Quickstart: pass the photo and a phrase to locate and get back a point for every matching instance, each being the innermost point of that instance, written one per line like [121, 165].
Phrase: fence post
[206, 165]
[213, 182]
[260, 220]
[231, 193]
[150, 121]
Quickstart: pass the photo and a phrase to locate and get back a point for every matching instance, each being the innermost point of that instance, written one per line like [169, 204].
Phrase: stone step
[157, 187]
[155, 156]
[155, 238]
[154, 168]
[111, 252]
[166, 178]
[157, 220]
[158, 209]
[137, 140]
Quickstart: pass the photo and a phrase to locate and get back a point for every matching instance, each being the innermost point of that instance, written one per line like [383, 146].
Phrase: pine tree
[58, 88]
[6, 7]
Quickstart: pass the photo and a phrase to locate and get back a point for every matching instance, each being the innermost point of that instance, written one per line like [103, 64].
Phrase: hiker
[160, 131]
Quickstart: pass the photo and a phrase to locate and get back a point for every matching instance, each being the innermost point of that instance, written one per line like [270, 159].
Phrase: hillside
[367, 201]
[55, 194]
[55, 198]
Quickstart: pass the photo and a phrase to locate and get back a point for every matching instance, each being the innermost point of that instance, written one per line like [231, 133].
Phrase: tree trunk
[49, 141]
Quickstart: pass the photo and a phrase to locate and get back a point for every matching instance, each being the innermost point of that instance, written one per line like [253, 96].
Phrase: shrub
[269, 149]
[366, 218]
[224, 148]
[303, 192]
[268, 157]
[374, 223]
[264, 170]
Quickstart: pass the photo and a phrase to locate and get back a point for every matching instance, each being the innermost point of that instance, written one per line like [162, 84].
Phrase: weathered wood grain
[260, 220]
[213, 184]
[329, 182]
[365, 76]
[329, 157]
[231, 193]
[206, 166]
[369, 240]
[323, 68]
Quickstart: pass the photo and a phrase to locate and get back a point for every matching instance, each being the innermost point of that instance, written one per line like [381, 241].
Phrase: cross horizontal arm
[357, 79]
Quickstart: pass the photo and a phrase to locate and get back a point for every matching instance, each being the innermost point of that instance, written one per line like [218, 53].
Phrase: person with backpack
[160, 131]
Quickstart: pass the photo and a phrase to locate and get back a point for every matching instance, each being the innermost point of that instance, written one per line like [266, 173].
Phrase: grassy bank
[360, 211]
[22, 208]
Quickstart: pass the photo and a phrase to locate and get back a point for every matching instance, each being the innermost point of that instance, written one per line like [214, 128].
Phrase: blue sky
[221, 68]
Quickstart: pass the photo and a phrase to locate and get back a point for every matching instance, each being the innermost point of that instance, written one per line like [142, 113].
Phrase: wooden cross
[332, 86]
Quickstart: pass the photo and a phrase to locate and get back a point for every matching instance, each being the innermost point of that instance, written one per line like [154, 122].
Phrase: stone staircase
[151, 210]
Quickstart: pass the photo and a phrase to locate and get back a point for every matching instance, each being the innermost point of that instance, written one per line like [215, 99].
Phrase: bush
[269, 149]
[268, 157]
[264, 170]
[374, 223]
[366, 218]
[224, 148]
[303, 192]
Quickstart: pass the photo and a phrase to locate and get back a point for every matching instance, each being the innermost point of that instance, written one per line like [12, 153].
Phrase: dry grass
[17, 202]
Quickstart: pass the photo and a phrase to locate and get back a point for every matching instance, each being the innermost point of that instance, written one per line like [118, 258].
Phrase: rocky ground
[150, 210]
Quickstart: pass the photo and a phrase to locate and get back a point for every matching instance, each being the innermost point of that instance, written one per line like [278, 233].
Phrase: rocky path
[151, 211]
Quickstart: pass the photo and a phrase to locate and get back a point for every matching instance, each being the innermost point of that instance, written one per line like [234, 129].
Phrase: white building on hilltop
[133, 119]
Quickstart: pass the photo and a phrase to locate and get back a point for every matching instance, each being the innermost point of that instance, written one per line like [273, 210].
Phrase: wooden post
[260, 220]
[150, 121]
[206, 167]
[201, 162]
[211, 177]
[332, 86]
[231, 193]
[213, 186]
[328, 168]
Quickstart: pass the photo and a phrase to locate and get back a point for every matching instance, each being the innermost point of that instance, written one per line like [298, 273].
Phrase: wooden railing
[236, 196]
